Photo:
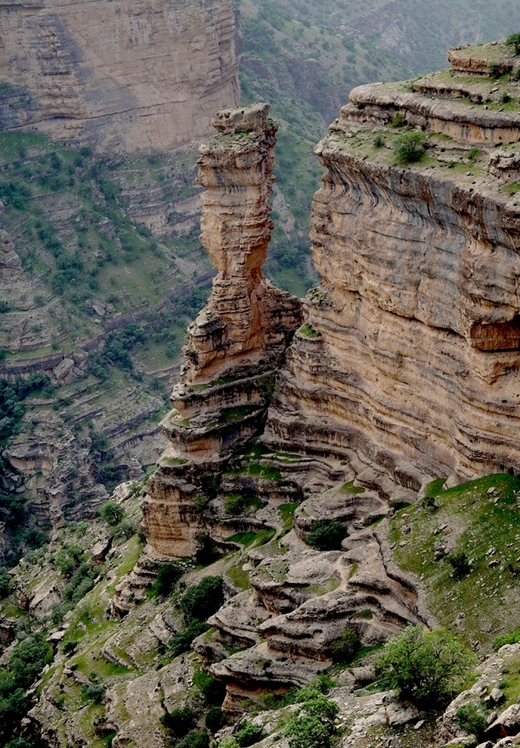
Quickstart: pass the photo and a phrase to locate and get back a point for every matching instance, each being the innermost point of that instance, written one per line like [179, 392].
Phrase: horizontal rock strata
[236, 342]
[411, 351]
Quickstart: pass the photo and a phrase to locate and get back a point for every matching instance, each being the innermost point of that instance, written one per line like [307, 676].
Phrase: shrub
[181, 641]
[494, 70]
[399, 120]
[312, 726]
[112, 513]
[180, 721]
[213, 690]
[248, 733]
[512, 638]
[125, 530]
[473, 154]
[167, 577]
[326, 535]
[228, 743]
[471, 720]
[215, 719]
[409, 147]
[460, 564]
[82, 581]
[379, 141]
[202, 599]
[5, 583]
[93, 692]
[513, 40]
[194, 739]
[345, 648]
[28, 660]
[425, 668]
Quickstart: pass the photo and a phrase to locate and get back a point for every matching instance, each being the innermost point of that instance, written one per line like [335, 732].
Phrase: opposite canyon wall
[124, 76]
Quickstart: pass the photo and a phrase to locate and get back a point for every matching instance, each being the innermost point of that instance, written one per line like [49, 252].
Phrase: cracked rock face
[120, 76]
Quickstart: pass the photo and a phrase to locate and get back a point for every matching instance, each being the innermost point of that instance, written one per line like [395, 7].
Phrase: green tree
[112, 513]
[312, 726]
[513, 40]
[409, 147]
[202, 599]
[5, 582]
[425, 668]
[326, 535]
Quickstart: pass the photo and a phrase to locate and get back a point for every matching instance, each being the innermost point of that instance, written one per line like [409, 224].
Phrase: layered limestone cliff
[119, 76]
[236, 342]
[411, 352]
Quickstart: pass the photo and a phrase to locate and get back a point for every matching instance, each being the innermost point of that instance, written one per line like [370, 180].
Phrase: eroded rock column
[237, 341]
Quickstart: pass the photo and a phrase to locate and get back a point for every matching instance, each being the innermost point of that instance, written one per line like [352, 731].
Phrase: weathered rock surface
[236, 342]
[411, 353]
[119, 77]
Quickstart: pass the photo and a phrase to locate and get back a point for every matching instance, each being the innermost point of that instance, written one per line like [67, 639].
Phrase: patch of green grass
[329, 585]
[308, 332]
[238, 576]
[351, 489]
[484, 525]
[255, 539]
[287, 512]
[227, 415]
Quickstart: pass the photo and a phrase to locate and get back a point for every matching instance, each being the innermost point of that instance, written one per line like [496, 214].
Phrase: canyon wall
[117, 75]
[412, 349]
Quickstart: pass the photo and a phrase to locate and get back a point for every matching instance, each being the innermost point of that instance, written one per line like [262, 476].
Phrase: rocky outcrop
[410, 354]
[119, 77]
[10, 263]
[236, 342]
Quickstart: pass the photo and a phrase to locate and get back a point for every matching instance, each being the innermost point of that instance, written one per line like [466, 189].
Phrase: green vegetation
[237, 504]
[486, 521]
[326, 535]
[215, 719]
[513, 40]
[344, 650]
[425, 668]
[247, 734]
[471, 720]
[12, 396]
[409, 148]
[308, 332]
[25, 665]
[167, 577]
[5, 583]
[312, 724]
[512, 638]
[112, 513]
[202, 599]
[181, 641]
[179, 721]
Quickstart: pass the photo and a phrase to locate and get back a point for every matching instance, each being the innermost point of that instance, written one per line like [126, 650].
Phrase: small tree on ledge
[513, 40]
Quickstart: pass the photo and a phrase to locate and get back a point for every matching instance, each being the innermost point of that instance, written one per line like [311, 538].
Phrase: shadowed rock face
[119, 75]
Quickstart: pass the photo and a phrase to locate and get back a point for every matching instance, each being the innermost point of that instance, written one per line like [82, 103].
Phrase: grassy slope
[485, 526]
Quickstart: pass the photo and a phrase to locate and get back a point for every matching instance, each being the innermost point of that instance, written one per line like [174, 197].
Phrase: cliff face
[406, 368]
[412, 351]
[121, 76]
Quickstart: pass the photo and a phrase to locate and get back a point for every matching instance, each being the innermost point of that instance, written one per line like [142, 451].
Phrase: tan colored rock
[237, 340]
[120, 76]
[414, 357]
